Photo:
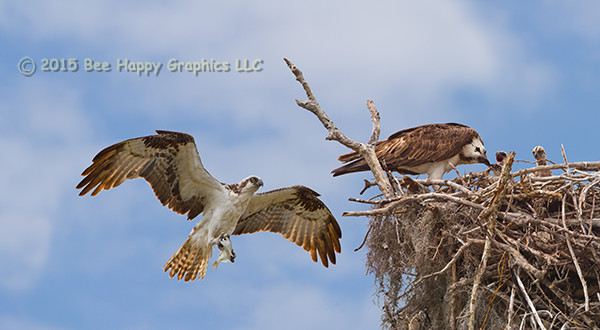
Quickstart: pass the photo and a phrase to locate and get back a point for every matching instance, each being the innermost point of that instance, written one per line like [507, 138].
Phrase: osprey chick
[501, 157]
[540, 156]
[500, 160]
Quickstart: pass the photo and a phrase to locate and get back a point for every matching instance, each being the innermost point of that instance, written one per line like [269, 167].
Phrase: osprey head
[500, 157]
[251, 184]
[247, 186]
[474, 152]
[539, 153]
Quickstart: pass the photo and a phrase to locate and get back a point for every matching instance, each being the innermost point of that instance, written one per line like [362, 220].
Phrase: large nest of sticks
[516, 251]
[512, 251]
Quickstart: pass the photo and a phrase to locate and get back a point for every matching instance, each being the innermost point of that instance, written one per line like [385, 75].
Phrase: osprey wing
[424, 144]
[299, 216]
[413, 147]
[169, 161]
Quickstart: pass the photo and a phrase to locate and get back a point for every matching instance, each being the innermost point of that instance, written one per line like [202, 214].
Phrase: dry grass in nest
[508, 252]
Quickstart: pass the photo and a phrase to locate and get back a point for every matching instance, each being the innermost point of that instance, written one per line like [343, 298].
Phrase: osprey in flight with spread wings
[170, 162]
[429, 149]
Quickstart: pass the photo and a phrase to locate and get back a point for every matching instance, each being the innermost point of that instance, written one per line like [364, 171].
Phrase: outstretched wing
[169, 161]
[299, 216]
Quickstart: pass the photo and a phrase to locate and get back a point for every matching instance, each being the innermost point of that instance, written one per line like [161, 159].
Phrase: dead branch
[365, 150]
[511, 306]
[394, 203]
[529, 302]
[477, 282]
[368, 184]
[364, 240]
[585, 166]
[452, 262]
[575, 262]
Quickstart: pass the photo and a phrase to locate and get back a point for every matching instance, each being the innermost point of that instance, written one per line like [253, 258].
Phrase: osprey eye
[253, 180]
[477, 150]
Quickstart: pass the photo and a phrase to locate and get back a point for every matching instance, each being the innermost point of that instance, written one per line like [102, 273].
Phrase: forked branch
[366, 150]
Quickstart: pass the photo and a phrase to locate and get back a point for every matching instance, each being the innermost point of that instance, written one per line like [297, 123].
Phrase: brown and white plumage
[170, 162]
[540, 157]
[298, 215]
[431, 149]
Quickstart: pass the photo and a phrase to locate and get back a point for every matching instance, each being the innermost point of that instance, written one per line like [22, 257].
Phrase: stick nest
[507, 252]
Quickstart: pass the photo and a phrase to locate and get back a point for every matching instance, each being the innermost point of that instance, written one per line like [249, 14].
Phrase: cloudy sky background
[521, 74]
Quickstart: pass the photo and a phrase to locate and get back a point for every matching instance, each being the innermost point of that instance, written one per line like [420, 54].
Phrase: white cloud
[40, 138]
[409, 56]
[306, 307]
[24, 244]
[25, 203]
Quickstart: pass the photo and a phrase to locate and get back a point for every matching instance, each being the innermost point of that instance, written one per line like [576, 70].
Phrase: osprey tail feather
[358, 165]
[190, 261]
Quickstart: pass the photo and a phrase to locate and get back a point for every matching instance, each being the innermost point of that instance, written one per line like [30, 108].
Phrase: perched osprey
[170, 162]
[540, 156]
[429, 149]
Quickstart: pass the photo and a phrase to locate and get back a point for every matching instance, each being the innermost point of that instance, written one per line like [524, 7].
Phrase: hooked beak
[496, 167]
[485, 161]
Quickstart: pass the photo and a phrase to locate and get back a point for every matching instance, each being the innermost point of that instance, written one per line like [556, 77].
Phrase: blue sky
[521, 74]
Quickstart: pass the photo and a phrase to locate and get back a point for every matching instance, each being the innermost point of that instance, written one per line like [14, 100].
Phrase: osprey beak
[485, 161]
[496, 167]
[538, 152]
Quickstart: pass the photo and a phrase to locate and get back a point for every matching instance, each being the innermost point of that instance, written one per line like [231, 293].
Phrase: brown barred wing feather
[299, 216]
[412, 147]
[169, 161]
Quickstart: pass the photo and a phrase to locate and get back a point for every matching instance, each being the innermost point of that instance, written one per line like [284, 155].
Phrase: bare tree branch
[575, 262]
[511, 306]
[586, 166]
[365, 150]
[489, 214]
[529, 302]
[375, 119]
[477, 282]
[452, 262]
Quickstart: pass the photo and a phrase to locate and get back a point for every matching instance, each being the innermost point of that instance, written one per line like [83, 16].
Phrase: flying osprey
[429, 149]
[170, 162]
[540, 156]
